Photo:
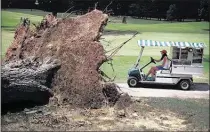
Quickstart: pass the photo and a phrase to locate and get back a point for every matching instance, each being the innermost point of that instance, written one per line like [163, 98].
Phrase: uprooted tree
[74, 42]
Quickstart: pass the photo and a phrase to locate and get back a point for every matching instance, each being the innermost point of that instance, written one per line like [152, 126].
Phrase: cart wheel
[132, 82]
[184, 84]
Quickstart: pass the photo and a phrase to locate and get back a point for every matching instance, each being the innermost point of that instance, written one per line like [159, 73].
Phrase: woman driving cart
[177, 71]
[164, 66]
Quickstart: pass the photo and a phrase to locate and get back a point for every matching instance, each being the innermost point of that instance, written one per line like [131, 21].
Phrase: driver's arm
[157, 60]
[160, 59]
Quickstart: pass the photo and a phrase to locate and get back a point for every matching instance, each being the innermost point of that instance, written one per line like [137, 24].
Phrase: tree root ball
[75, 43]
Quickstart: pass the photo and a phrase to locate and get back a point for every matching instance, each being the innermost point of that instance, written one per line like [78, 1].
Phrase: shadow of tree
[18, 106]
[117, 32]
[206, 29]
[195, 87]
[8, 28]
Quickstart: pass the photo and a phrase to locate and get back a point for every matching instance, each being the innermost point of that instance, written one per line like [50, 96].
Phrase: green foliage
[135, 9]
[143, 8]
[171, 13]
[203, 11]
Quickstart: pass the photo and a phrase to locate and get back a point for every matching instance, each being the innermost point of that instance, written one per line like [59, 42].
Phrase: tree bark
[28, 80]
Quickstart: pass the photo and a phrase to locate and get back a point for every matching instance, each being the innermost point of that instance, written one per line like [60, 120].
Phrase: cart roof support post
[139, 57]
[180, 53]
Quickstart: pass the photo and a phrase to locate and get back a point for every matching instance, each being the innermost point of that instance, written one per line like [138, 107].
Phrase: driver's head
[163, 52]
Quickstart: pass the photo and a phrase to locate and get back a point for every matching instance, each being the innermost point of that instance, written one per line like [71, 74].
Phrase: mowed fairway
[126, 57]
[159, 31]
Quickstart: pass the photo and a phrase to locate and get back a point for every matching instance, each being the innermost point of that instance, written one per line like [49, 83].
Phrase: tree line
[160, 9]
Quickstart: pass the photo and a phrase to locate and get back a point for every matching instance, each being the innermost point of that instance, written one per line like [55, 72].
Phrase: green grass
[126, 57]
[28, 11]
[7, 37]
[131, 20]
[184, 27]
[132, 49]
[10, 19]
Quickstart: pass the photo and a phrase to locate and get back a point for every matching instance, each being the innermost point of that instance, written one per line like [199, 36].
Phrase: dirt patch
[195, 112]
[138, 117]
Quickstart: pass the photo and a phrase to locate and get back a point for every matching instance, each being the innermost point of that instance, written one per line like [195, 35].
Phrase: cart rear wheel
[184, 84]
[132, 82]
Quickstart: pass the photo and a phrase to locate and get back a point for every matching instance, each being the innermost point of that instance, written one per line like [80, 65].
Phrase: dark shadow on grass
[165, 20]
[33, 12]
[153, 86]
[200, 87]
[117, 32]
[194, 87]
[8, 28]
[19, 106]
[206, 29]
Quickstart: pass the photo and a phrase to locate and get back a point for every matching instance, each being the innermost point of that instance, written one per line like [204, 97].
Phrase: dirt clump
[75, 42]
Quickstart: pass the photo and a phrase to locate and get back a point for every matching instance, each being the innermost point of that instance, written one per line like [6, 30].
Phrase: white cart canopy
[170, 43]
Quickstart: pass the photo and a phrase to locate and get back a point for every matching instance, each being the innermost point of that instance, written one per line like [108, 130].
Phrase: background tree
[134, 10]
[171, 13]
[191, 9]
[203, 12]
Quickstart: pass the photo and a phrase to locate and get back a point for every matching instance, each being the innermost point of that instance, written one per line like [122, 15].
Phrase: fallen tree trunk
[27, 80]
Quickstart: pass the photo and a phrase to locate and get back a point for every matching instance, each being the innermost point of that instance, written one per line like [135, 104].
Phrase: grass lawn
[126, 57]
[7, 37]
[132, 49]
[11, 19]
[184, 27]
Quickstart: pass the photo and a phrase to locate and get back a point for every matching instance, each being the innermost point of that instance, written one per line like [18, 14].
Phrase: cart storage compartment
[186, 67]
[193, 70]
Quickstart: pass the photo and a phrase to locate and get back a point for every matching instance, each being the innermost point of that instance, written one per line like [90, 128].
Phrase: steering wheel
[152, 60]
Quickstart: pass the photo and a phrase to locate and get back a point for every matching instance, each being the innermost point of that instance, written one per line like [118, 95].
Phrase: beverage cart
[186, 61]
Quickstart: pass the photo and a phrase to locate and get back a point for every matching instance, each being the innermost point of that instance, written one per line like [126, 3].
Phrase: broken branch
[66, 11]
[107, 6]
[96, 4]
[116, 49]
[71, 13]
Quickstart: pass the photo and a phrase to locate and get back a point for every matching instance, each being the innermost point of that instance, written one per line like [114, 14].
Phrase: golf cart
[186, 61]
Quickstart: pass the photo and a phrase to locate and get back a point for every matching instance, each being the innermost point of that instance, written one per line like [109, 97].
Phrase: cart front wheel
[132, 82]
[184, 84]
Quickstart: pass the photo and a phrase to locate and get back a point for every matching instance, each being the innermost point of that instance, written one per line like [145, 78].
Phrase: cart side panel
[187, 69]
